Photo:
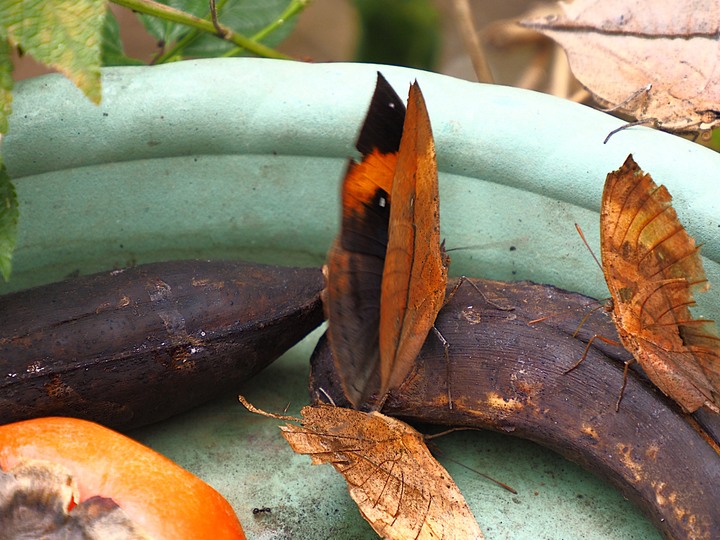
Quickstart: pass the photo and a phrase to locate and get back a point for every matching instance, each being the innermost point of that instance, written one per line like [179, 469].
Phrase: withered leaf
[399, 487]
[655, 60]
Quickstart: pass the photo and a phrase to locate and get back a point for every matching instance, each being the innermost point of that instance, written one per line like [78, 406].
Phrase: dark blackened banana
[131, 347]
[506, 374]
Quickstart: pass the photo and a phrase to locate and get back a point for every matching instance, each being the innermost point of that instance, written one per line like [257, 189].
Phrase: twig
[186, 40]
[213, 14]
[253, 409]
[560, 77]
[149, 7]
[464, 20]
[535, 72]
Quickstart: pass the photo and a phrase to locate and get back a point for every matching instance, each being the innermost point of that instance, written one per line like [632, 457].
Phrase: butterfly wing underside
[415, 274]
[653, 267]
[357, 257]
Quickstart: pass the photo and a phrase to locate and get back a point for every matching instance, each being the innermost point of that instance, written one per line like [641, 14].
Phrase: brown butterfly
[652, 267]
[386, 272]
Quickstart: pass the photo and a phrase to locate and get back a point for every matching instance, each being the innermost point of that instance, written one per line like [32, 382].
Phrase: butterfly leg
[622, 388]
[322, 391]
[587, 348]
[448, 375]
[586, 317]
[444, 342]
[463, 279]
[449, 296]
[644, 91]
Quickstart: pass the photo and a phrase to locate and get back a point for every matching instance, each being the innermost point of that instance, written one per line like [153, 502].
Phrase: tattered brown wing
[415, 275]
[355, 261]
[400, 489]
[652, 267]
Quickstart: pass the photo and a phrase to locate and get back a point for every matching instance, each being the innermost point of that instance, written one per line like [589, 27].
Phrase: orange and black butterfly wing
[652, 267]
[356, 260]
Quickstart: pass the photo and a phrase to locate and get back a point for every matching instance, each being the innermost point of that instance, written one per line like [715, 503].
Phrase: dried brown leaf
[400, 489]
[655, 60]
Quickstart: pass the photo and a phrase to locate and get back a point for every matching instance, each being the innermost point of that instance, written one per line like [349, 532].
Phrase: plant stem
[295, 7]
[469, 34]
[186, 40]
[175, 15]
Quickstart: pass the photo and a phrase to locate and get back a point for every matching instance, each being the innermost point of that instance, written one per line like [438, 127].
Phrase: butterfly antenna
[436, 450]
[582, 236]
[585, 318]
[467, 248]
[486, 476]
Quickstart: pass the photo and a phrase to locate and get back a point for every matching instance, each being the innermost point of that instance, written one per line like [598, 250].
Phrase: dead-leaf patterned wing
[415, 274]
[653, 267]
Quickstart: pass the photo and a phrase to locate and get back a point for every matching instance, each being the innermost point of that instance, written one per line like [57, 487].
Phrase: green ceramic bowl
[241, 158]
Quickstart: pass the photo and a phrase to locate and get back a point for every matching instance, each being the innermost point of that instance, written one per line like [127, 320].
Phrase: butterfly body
[653, 267]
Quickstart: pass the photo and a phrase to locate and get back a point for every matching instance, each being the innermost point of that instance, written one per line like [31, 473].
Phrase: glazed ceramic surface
[242, 158]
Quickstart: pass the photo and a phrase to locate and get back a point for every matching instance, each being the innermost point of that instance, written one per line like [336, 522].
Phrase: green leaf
[64, 34]
[8, 222]
[6, 83]
[246, 17]
[113, 53]
[169, 32]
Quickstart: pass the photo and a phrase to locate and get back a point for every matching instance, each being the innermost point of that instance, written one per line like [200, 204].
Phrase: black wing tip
[383, 125]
